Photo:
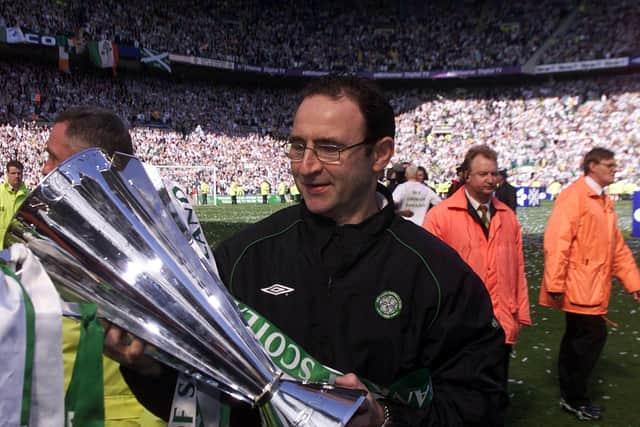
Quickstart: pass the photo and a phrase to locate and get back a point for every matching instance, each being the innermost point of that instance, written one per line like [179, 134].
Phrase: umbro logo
[277, 289]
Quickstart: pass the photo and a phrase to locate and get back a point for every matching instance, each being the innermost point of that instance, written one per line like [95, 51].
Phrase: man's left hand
[370, 413]
[636, 296]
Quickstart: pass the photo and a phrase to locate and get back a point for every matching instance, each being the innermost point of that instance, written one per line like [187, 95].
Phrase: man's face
[604, 171]
[345, 191]
[14, 177]
[420, 176]
[481, 182]
[58, 148]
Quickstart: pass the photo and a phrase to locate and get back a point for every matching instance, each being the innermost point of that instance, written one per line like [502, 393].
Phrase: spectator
[506, 192]
[458, 182]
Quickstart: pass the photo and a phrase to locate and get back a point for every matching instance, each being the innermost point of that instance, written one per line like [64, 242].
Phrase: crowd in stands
[540, 130]
[600, 30]
[337, 35]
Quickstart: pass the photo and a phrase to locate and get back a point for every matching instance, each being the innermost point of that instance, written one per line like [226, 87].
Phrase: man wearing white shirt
[413, 198]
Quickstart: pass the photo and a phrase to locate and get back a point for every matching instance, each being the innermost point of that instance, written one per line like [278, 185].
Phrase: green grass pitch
[532, 376]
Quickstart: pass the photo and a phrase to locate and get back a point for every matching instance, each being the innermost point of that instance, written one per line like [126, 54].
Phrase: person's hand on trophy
[371, 412]
[129, 351]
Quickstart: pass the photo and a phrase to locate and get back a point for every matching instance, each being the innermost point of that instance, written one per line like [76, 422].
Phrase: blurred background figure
[265, 189]
[458, 181]
[413, 198]
[395, 176]
[13, 191]
[506, 192]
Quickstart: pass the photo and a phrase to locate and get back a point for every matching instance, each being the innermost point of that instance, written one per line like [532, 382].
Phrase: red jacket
[583, 248]
[498, 260]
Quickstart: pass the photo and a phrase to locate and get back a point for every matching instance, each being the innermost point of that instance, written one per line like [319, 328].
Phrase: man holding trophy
[361, 290]
[331, 312]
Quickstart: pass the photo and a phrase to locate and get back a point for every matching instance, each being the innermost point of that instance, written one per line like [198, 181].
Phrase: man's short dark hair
[90, 126]
[596, 155]
[14, 164]
[478, 150]
[375, 108]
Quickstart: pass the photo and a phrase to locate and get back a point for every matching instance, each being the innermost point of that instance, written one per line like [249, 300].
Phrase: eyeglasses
[326, 153]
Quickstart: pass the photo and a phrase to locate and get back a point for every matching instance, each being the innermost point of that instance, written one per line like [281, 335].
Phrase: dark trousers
[580, 349]
[264, 199]
[507, 356]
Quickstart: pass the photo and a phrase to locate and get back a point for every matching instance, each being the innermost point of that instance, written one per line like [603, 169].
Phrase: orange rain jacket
[498, 261]
[583, 248]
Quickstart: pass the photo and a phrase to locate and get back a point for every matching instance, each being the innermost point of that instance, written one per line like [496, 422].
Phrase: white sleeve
[398, 194]
[434, 199]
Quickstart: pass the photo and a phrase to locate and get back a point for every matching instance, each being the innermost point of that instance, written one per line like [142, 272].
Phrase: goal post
[189, 178]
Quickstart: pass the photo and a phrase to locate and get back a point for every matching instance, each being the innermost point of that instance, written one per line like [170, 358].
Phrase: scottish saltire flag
[159, 60]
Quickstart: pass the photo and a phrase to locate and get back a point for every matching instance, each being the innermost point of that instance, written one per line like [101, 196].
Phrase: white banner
[205, 62]
[582, 65]
[13, 35]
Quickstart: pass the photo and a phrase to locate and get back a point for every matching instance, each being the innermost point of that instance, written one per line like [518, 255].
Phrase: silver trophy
[107, 233]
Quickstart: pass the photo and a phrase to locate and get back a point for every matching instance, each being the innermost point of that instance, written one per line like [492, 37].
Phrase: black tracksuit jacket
[336, 272]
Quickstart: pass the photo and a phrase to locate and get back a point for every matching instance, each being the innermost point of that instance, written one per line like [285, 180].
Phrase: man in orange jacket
[583, 248]
[490, 242]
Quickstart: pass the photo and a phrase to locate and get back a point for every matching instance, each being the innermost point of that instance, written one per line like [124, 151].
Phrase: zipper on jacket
[329, 286]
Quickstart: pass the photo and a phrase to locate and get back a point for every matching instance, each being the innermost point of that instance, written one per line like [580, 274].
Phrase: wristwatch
[388, 421]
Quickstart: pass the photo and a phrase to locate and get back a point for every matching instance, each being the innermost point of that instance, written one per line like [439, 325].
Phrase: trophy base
[310, 405]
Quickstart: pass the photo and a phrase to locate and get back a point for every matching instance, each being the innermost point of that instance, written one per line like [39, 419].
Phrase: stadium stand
[541, 129]
[336, 35]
